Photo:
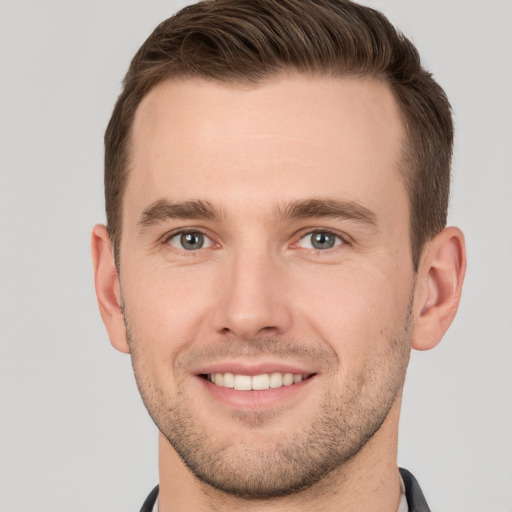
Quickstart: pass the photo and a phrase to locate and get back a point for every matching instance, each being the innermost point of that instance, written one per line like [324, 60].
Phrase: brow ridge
[326, 208]
[163, 209]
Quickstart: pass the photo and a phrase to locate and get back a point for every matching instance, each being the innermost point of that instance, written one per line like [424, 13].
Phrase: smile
[255, 382]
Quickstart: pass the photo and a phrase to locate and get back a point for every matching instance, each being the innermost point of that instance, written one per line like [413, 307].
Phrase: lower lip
[255, 398]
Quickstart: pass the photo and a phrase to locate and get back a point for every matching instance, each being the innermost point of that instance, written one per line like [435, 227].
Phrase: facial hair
[345, 419]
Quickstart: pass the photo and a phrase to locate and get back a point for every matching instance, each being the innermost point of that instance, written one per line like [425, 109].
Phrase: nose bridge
[253, 299]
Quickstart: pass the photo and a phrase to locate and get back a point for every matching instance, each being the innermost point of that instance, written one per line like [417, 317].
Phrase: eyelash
[344, 240]
[169, 236]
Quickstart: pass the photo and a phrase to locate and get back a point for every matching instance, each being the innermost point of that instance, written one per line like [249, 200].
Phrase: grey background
[74, 435]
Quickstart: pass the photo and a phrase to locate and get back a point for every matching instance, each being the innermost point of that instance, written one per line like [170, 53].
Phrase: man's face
[266, 246]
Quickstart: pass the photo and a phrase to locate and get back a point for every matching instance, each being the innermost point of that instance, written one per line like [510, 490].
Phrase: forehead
[283, 140]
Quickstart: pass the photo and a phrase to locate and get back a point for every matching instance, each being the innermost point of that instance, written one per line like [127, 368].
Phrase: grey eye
[190, 241]
[320, 240]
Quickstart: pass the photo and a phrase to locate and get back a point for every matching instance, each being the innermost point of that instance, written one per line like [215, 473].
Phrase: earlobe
[108, 291]
[439, 287]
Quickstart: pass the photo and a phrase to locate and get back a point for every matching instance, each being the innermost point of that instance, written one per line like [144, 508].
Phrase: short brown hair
[250, 41]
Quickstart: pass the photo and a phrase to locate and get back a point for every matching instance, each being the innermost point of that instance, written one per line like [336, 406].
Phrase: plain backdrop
[74, 435]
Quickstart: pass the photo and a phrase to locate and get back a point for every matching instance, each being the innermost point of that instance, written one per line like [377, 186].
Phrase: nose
[253, 300]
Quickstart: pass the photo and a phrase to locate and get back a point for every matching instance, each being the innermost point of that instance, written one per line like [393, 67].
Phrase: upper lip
[246, 368]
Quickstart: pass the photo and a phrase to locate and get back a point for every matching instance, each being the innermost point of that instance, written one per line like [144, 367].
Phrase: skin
[258, 296]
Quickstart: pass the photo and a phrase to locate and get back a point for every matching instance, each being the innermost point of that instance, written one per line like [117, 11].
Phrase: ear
[108, 290]
[439, 286]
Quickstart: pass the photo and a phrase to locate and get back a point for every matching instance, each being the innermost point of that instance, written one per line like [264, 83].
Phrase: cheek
[354, 310]
[164, 309]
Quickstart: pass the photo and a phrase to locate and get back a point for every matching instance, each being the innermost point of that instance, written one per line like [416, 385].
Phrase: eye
[189, 241]
[320, 240]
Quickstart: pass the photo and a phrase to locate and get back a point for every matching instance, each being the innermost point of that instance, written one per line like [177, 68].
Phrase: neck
[368, 481]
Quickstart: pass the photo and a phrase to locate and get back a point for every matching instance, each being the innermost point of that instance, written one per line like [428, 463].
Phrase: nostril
[247, 334]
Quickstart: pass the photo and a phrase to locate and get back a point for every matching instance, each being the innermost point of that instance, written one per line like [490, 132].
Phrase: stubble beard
[343, 423]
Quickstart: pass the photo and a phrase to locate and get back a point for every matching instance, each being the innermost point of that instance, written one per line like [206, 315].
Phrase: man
[276, 180]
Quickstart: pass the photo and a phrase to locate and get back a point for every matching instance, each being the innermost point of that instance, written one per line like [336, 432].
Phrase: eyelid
[343, 237]
[164, 240]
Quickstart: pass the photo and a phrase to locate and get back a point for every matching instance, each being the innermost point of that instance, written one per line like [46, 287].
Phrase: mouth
[261, 382]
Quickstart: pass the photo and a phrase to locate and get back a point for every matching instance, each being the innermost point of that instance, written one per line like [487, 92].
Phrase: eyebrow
[162, 210]
[326, 208]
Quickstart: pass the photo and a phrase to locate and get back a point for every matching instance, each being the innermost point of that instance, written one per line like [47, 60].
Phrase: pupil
[322, 240]
[191, 241]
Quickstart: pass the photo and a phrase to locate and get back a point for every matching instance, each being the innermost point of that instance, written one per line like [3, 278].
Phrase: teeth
[229, 380]
[288, 379]
[260, 381]
[255, 382]
[242, 382]
[276, 380]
